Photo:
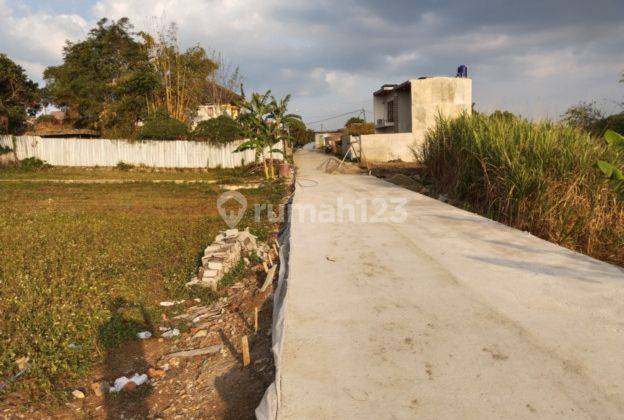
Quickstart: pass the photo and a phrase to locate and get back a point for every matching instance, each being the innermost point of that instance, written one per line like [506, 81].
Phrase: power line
[361, 111]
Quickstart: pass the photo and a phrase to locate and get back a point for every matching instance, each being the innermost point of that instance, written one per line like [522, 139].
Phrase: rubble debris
[171, 302]
[153, 373]
[196, 352]
[171, 333]
[269, 279]
[99, 388]
[225, 253]
[78, 394]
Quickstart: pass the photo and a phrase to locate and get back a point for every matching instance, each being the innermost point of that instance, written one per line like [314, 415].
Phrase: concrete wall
[392, 146]
[448, 96]
[153, 153]
[403, 115]
[319, 141]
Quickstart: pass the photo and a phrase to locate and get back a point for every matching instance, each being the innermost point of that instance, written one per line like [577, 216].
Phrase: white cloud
[36, 40]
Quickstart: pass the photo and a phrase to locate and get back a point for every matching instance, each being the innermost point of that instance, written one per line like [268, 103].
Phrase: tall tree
[19, 96]
[184, 75]
[105, 80]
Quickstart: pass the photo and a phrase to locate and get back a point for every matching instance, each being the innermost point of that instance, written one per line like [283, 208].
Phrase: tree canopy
[19, 96]
[104, 79]
[117, 77]
[354, 120]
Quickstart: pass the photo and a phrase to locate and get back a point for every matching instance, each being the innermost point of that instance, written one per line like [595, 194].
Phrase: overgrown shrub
[161, 126]
[539, 177]
[358, 129]
[220, 130]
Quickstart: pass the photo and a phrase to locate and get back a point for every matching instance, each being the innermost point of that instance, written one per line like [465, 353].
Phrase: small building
[218, 101]
[404, 112]
[414, 104]
[328, 140]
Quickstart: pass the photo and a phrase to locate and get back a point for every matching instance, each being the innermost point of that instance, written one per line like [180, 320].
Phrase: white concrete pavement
[446, 315]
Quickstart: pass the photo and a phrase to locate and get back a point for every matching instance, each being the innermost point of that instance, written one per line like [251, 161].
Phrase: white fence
[154, 153]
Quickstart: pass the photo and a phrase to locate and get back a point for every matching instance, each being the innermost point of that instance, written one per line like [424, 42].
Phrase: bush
[47, 120]
[539, 177]
[123, 166]
[300, 133]
[613, 122]
[358, 129]
[354, 120]
[161, 126]
[33, 164]
[220, 130]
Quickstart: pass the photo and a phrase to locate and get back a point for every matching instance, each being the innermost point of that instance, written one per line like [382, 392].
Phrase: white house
[404, 112]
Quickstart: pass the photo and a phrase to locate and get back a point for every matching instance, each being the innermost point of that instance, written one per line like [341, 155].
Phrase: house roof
[217, 94]
[65, 132]
[389, 88]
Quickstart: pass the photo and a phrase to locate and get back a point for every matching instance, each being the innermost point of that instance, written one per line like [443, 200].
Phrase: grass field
[130, 174]
[72, 254]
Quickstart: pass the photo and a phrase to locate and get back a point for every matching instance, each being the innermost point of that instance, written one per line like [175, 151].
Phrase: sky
[532, 57]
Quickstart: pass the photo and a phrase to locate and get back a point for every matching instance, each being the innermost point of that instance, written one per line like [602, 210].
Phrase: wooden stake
[265, 266]
[256, 319]
[276, 243]
[245, 350]
[270, 259]
[275, 249]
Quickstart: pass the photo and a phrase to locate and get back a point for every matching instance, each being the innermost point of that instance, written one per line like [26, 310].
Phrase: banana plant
[254, 120]
[611, 170]
[282, 120]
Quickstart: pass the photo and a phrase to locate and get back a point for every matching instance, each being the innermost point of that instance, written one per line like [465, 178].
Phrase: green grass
[83, 267]
[123, 172]
[539, 177]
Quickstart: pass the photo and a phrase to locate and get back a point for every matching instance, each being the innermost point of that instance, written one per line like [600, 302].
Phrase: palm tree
[282, 120]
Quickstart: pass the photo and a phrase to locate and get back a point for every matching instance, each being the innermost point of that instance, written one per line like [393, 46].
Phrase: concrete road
[444, 315]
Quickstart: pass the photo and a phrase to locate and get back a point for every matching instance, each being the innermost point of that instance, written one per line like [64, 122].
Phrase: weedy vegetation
[540, 177]
[83, 267]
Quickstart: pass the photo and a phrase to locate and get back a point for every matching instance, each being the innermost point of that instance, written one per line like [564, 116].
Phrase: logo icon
[231, 217]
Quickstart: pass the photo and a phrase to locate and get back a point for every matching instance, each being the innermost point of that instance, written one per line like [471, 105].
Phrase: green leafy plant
[220, 130]
[254, 120]
[611, 170]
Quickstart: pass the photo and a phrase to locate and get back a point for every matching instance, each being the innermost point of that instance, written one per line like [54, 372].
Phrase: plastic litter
[122, 381]
[143, 335]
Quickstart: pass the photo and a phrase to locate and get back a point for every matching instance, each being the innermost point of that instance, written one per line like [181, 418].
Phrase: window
[390, 111]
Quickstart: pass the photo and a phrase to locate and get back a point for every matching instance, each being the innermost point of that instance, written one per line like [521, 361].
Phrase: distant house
[404, 112]
[413, 105]
[218, 101]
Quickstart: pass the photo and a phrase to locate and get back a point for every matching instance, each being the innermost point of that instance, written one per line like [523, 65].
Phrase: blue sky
[531, 57]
